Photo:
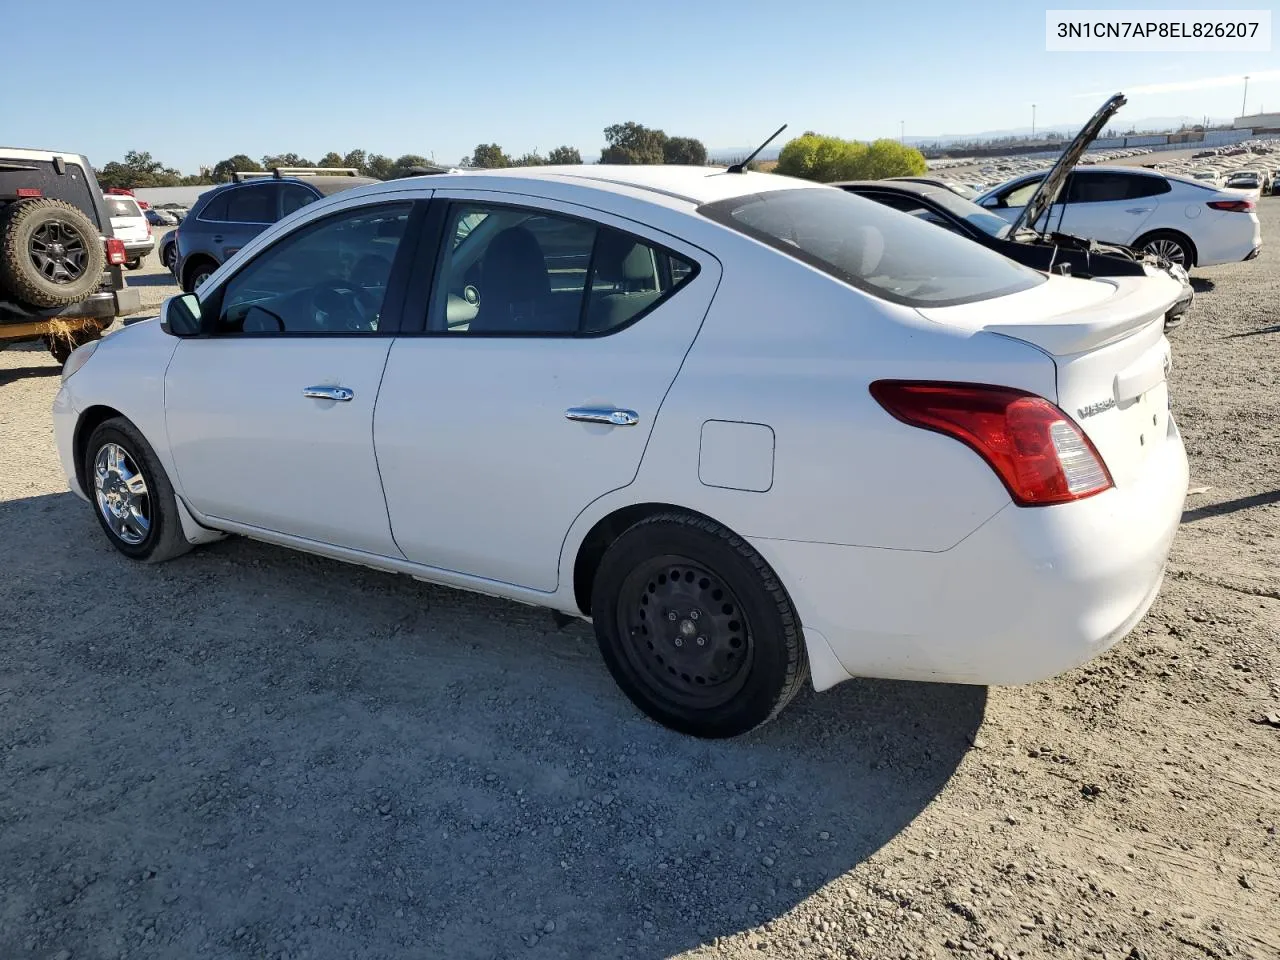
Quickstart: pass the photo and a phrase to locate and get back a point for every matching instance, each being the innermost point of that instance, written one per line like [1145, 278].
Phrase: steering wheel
[351, 305]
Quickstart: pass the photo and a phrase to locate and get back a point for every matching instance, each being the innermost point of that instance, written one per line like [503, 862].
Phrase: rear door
[127, 220]
[1111, 205]
[551, 337]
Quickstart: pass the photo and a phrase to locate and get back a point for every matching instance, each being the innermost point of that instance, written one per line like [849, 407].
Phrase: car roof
[326, 185]
[671, 185]
[921, 187]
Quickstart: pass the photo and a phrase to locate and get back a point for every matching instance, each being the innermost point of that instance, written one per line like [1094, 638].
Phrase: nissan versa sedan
[761, 432]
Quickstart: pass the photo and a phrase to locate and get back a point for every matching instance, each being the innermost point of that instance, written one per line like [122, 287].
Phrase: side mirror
[181, 316]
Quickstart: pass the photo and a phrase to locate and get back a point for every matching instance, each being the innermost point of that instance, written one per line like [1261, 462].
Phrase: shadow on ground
[253, 752]
[13, 374]
[1202, 284]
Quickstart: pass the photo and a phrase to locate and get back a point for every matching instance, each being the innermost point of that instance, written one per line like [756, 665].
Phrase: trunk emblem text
[1089, 409]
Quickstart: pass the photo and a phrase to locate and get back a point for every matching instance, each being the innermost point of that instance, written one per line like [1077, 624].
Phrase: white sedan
[757, 430]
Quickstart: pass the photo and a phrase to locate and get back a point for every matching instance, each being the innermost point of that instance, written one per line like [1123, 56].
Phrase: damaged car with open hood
[1027, 236]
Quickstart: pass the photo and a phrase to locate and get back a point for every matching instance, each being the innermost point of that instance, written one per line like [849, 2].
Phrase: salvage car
[760, 431]
[1056, 252]
[61, 281]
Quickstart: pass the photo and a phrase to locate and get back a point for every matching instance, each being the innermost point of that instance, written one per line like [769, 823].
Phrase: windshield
[122, 207]
[891, 254]
[970, 213]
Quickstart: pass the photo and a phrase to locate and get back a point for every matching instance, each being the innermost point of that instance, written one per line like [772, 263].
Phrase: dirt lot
[253, 753]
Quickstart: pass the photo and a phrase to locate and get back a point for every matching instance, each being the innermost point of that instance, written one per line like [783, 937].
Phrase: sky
[196, 83]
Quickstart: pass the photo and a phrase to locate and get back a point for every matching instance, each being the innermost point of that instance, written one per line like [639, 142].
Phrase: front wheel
[695, 627]
[132, 497]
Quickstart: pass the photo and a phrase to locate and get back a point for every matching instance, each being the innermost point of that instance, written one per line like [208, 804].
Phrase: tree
[139, 169]
[684, 150]
[816, 157]
[332, 159]
[284, 160]
[405, 163]
[529, 160]
[223, 168]
[561, 155]
[383, 168]
[356, 159]
[632, 142]
[487, 156]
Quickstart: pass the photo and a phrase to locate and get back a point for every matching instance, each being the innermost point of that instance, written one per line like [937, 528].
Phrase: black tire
[753, 660]
[61, 344]
[194, 274]
[133, 264]
[50, 253]
[167, 258]
[1160, 241]
[162, 539]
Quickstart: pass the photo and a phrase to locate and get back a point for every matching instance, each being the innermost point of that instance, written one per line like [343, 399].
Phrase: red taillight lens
[148, 227]
[1235, 206]
[1035, 449]
[116, 253]
[28, 192]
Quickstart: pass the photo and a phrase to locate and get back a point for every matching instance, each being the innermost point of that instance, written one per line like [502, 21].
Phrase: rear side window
[121, 207]
[1106, 187]
[893, 255]
[252, 205]
[216, 208]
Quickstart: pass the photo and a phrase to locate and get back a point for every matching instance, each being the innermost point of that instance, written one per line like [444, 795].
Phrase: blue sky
[194, 84]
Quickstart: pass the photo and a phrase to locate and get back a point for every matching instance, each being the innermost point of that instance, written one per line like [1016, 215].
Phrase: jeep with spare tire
[61, 277]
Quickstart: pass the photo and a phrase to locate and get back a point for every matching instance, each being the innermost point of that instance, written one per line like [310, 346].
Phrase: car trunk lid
[1106, 339]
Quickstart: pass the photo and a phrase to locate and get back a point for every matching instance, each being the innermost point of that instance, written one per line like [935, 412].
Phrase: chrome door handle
[328, 393]
[613, 416]
[1138, 210]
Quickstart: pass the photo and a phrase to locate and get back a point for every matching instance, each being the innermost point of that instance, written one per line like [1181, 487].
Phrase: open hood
[1051, 186]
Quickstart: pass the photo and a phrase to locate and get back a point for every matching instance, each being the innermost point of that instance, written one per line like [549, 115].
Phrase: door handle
[1138, 210]
[328, 393]
[217, 238]
[613, 416]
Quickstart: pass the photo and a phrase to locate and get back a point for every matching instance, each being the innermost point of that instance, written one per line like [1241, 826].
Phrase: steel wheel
[58, 252]
[684, 632]
[121, 491]
[1167, 248]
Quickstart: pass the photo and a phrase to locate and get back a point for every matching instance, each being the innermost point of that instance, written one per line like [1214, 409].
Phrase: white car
[1192, 223]
[130, 224]
[758, 430]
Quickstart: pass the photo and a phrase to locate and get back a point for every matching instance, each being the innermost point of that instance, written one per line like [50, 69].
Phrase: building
[1259, 122]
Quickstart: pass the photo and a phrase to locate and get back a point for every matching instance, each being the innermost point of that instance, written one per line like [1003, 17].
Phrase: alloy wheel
[1168, 249]
[58, 252]
[121, 492]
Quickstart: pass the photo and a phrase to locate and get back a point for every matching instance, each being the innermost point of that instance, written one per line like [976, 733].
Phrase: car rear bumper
[139, 248]
[1243, 242]
[1031, 593]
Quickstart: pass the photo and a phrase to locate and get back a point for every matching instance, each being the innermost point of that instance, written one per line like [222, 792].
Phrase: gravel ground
[254, 753]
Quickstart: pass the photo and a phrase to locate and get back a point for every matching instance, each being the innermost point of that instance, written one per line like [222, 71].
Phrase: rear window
[122, 207]
[872, 247]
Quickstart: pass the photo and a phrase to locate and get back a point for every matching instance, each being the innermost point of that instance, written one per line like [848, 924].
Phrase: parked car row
[589, 367]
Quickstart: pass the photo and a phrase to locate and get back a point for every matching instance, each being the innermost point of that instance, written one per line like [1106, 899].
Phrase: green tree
[284, 160]
[139, 169]
[487, 156]
[357, 159]
[816, 157]
[684, 150]
[562, 155]
[632, 142]
[332, 159]
[383, 168]
[403, 164]
[222, 170]
[529, 160]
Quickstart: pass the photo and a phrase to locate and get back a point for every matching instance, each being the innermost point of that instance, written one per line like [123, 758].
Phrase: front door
[270, 416]
[552, 338]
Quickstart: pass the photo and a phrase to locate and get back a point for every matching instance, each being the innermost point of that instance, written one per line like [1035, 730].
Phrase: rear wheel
[1169, 245]
[50, 253]
[132, 497]
[695, 627]
[198, 273]
[134, 264]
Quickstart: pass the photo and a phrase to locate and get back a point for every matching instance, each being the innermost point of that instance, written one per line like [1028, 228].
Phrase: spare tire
[51, 254]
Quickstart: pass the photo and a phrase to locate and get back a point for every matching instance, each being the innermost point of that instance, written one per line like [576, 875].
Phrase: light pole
[902, 131]
[1246, 96]
[1033, 120]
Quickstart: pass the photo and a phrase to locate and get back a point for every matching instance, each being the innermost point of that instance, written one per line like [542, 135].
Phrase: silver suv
[224, 219]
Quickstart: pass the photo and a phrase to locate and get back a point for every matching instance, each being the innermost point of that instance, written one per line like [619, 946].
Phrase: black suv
[224, 219]
[60, 265]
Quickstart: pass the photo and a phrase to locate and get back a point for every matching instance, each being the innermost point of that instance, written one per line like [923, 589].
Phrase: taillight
[148, 222]
[116, 253]
[1235, 206]
[1036, 450]
[25, 192]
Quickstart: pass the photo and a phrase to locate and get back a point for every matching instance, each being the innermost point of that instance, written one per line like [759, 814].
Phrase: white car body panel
[901, 549]
[1219, 236]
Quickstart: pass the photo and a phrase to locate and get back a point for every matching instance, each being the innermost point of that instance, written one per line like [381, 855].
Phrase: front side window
[1019, 195]
[518, 271]
[881, 251]
[327, 278]
[251, 204]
